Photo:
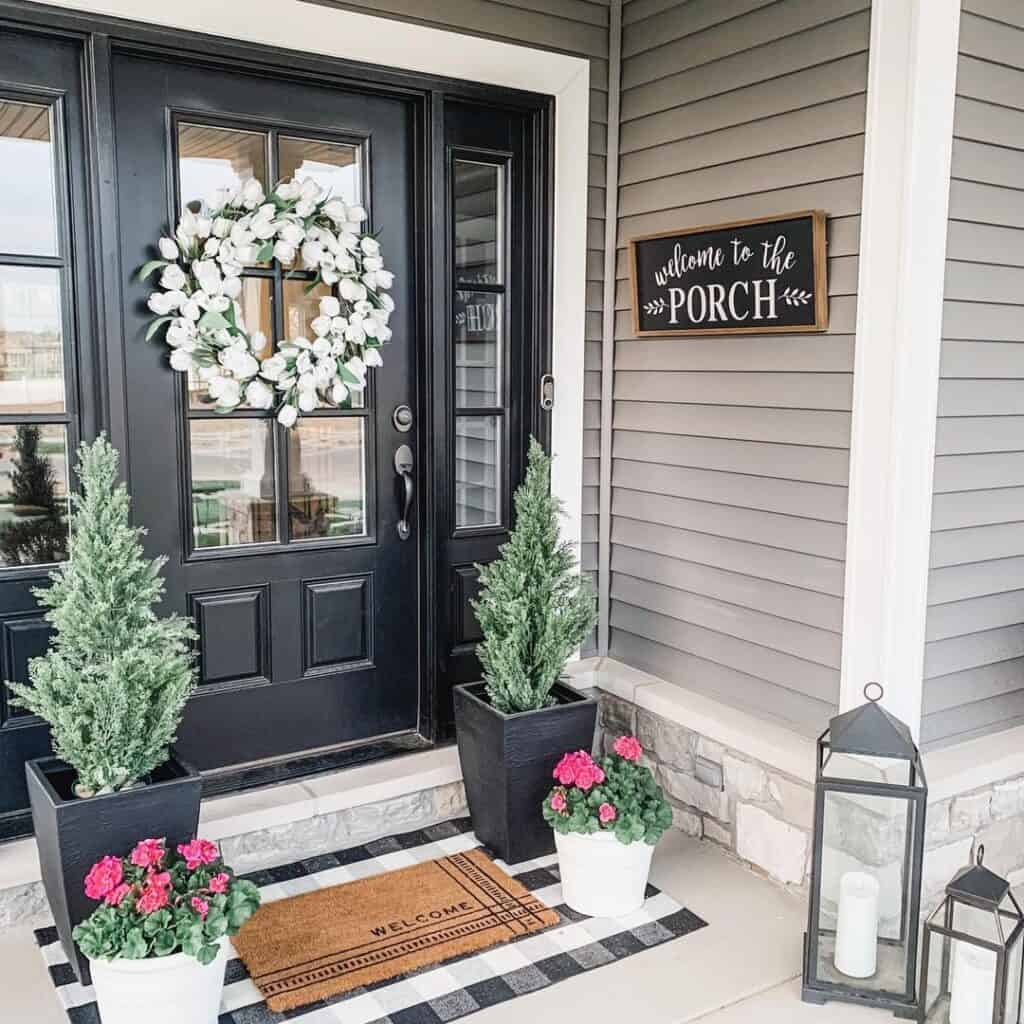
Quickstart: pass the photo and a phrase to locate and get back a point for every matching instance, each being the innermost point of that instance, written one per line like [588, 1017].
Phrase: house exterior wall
[580, 27]
[974, 651]
[730, 453]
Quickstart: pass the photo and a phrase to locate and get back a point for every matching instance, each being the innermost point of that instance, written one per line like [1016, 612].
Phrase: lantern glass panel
[963, 984]
[862, 918]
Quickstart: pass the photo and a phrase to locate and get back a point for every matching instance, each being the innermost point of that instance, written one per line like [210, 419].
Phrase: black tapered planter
[73, 834]
[507, 761]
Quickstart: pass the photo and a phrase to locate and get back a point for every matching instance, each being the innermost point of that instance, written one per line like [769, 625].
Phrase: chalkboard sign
[748, 277]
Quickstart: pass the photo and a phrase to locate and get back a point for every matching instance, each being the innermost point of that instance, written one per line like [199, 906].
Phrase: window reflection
[478, 222]
[327, 486]
[28, 199]
[477, 481]
[333, 166]
[31, 342]
[33, 494]
[477, 349]
[217, 158]
[232, 482]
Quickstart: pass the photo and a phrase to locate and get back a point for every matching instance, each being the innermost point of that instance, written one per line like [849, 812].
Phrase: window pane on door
[31, 342]
[233, 487]
[33, 494]
[477, 479]
[256, 302]
[28, 206]
[333, 166]
[478, 222]
[477, 349]
[327, 477]
[217, 158]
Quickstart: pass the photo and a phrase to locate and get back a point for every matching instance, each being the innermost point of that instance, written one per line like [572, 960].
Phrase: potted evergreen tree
[534, 610]
[112, 687]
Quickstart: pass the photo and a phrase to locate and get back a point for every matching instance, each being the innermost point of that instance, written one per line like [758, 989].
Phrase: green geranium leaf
[206, 954]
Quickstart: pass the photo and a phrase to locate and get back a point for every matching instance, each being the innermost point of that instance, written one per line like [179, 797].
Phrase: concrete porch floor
[743, 967]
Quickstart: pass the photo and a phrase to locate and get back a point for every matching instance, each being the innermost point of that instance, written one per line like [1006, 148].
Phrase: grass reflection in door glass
[233, 492]
[326, 486]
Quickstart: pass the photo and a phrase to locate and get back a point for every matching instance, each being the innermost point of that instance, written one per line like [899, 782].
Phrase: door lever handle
[403, 467]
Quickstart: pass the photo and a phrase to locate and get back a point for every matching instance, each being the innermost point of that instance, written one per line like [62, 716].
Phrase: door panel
[285, 546]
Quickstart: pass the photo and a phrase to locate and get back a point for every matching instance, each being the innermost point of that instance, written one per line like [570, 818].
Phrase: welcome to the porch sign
[751, 277]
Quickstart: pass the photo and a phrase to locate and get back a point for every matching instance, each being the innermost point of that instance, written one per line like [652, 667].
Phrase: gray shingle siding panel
[974, 653]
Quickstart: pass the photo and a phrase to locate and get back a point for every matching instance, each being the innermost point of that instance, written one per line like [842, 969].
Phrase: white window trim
[319, 29]
[907, 154]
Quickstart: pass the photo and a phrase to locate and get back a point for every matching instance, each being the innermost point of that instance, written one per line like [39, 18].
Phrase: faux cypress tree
[534, 609]
[114, 681]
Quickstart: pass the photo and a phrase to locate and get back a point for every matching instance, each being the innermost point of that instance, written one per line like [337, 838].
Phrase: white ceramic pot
[174, 989]
[602, 877]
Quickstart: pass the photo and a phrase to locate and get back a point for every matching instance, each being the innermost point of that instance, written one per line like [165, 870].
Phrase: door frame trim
[317, 27]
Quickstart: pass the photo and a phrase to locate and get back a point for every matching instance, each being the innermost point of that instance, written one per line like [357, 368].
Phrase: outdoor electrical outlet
[708, 772]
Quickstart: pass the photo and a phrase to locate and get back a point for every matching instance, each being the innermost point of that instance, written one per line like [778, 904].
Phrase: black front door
[283, 544]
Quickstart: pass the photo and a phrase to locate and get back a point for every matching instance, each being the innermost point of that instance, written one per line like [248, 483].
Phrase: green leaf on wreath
[156, 325]
[213, 321]
[265, 251]
[147, 268]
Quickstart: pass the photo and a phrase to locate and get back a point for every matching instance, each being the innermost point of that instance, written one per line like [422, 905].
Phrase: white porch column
[911, 91]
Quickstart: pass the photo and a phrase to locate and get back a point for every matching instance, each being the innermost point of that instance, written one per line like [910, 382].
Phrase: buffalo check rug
[442, 992]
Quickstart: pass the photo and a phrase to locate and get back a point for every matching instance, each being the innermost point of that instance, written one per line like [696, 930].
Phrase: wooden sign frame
[819, 248]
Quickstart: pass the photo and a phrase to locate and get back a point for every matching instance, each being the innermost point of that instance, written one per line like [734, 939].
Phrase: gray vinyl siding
[580, 28]
[974, 653]
[730, 453]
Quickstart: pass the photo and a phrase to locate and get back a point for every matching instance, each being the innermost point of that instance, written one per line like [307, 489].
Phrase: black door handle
[403, 467]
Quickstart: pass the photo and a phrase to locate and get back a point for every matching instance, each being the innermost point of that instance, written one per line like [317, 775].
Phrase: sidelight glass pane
[233, 493]
[477, 470]
[478, 326]
[302, 307]
[28, 200]
[479, 201]
[257, 304]
[217, 158]
[327, 478]
[333, 166]
[31, 340]
[33, 494]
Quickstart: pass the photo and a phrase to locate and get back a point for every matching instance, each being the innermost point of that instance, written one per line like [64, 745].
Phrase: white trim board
[907, 154]
[324, 30]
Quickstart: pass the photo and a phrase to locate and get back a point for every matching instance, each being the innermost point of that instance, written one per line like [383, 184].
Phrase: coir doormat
[328, 942]
[433, 994]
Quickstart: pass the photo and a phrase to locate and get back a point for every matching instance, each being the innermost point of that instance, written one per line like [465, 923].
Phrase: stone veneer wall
[282, 844]
[765, 818]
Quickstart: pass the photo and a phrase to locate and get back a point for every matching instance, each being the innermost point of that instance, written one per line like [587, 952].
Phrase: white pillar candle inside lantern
[857, 925]
[972, 988]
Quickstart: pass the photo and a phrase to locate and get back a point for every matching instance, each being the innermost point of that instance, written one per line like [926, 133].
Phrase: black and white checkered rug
[434, 994]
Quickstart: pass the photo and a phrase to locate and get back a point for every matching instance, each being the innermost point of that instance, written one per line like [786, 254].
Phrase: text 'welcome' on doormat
[441, 992]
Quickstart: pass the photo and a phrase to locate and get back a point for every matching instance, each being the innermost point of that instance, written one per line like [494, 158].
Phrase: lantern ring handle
[981, 854]
[876, 689]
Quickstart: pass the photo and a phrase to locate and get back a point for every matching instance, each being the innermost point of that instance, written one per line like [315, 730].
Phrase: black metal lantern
[870, 799]
[972, 968]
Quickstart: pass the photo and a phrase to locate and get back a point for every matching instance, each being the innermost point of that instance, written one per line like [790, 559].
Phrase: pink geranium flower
[219, 883]
[606, 813]
[578, 769]
[103, 878]
[115, 896]
[148, 854]
[152, 899]
[565, 770]
[558, 801]
[200, 906]
[628, 747]
[158, 879]
[199, 852]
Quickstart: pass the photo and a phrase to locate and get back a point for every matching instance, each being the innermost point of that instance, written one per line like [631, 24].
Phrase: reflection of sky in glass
[27, 214]
[333, 166]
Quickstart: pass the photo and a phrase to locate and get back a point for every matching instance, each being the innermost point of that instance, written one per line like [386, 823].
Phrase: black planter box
[507, 761]
[73, 834]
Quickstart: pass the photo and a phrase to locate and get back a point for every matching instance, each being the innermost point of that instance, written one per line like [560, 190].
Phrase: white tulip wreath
[200, 281]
